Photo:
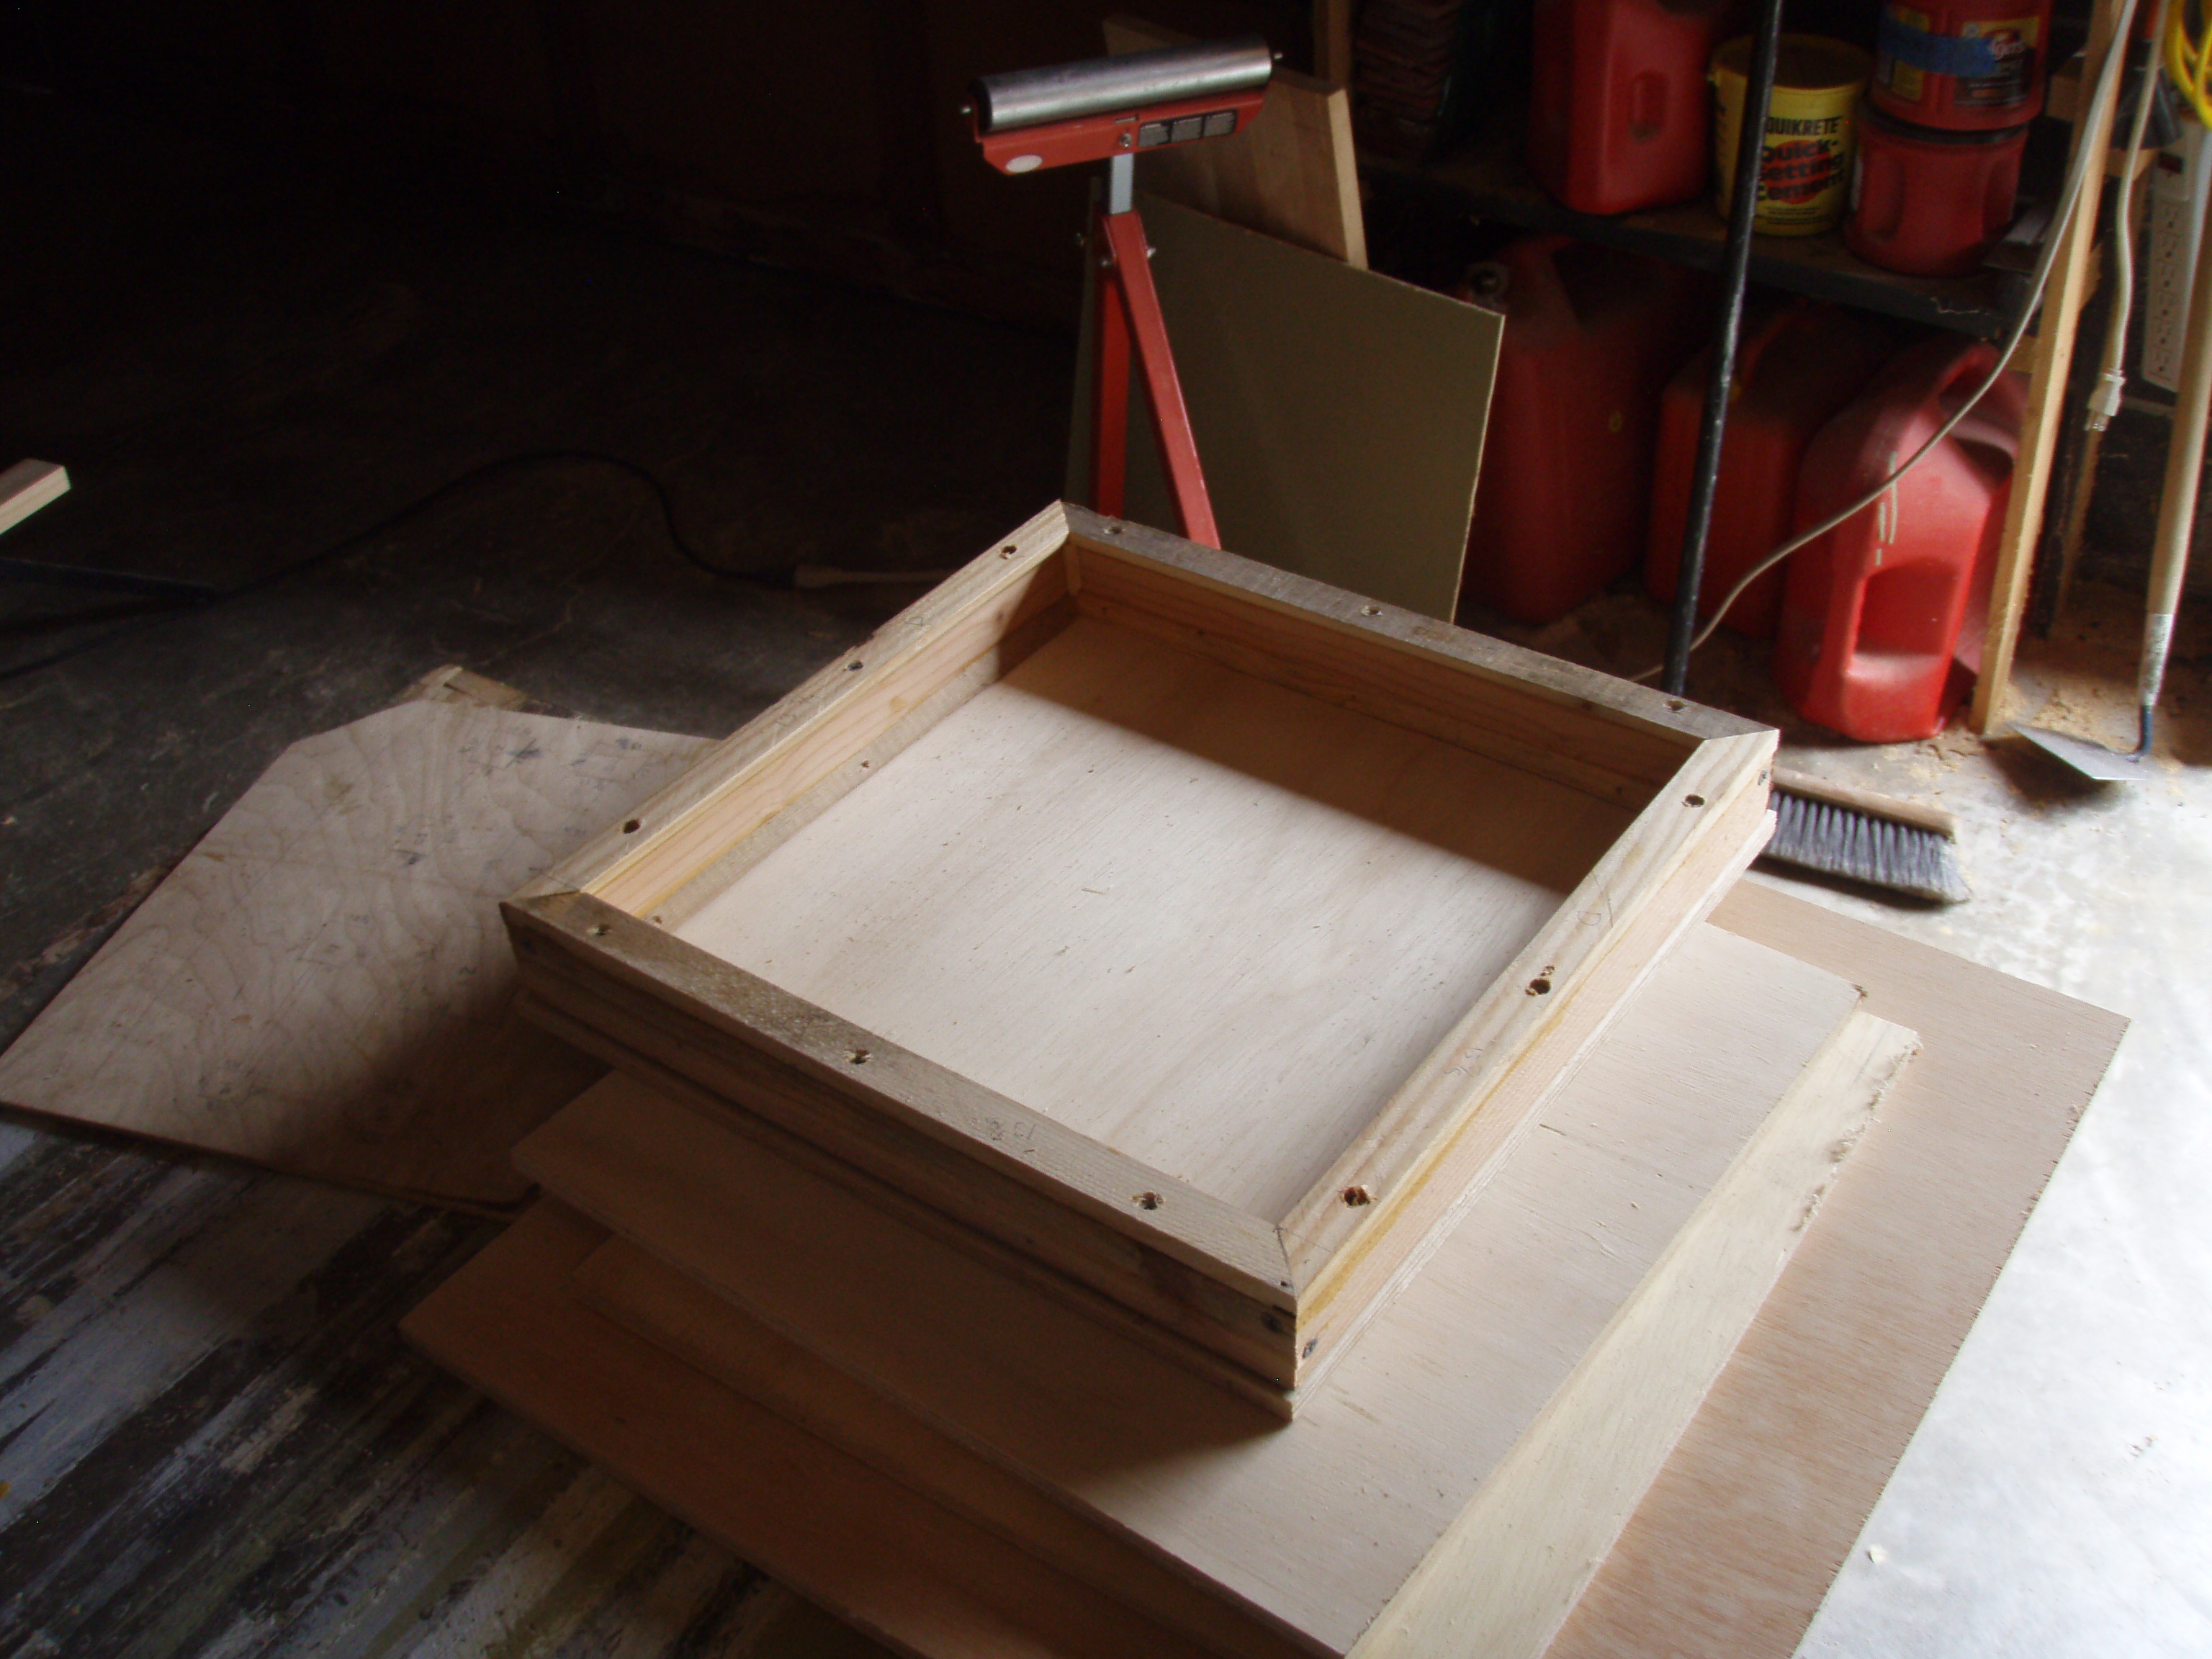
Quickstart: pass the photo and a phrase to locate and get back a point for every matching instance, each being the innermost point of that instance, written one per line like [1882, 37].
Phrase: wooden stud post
[2052, 356]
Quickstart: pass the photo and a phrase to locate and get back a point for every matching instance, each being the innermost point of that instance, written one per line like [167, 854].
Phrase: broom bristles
[1862, 846]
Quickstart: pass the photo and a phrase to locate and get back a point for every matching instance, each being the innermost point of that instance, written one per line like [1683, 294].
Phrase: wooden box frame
[1276, 1296]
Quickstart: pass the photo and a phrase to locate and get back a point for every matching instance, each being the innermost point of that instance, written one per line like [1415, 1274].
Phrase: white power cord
[2108, 81]
[2111, 380]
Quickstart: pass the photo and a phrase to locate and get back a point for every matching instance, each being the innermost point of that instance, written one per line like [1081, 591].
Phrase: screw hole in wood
[1356, 1196]
[1693, 801]
[630, 828]
[858, 1056]
[1539, 988]
[1148, 1201]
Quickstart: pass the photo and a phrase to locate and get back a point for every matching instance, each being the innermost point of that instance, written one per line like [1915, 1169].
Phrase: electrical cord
[171, 609]
[2188, 57]
[2108, 80]
[2112, 377]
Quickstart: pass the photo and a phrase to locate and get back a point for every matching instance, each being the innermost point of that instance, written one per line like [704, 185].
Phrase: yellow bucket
[1812, 130]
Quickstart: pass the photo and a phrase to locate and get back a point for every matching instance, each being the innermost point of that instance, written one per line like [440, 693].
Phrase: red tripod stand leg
[1128, 274]
[1110, 386]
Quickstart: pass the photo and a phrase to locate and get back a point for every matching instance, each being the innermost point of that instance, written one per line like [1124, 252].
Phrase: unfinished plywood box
[1200, 934]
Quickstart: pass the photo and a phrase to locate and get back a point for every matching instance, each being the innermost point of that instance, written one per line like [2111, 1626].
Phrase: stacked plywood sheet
[1170, 1109]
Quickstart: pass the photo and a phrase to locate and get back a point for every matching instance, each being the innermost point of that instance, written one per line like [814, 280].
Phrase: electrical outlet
[2178, 180]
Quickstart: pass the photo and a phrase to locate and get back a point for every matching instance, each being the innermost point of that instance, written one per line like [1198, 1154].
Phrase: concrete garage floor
[245, 367]
[2057, 1499]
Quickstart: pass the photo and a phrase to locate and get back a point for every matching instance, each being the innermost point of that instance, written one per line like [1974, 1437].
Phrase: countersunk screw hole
[858, 1056]
[1008, 551]
[1307, 1353]
[1356, 1196]
[1675, 705]
[1112, 528]
[631, 827]
[1539, 988]
[852, 668]
[1693, 801]
[600, 930]
[1370, 610]
[1148, 1201]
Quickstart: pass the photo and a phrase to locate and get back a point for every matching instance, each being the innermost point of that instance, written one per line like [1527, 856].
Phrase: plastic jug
[1592, 335]
[1930, 204]
[1620, 117]
[1881, 619]
[1799, 363]
[1966, 65]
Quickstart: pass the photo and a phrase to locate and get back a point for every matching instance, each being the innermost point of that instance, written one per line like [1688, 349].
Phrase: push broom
[1835, 830]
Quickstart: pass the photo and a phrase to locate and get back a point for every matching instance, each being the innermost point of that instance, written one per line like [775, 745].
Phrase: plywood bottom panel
[907, 1572]
[1209, 922]
[1314, 1527]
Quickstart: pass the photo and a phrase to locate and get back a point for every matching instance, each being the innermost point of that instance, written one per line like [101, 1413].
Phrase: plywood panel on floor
[323, 984]
[1738, 1539]
[1730, 1553]
[1481, 1339]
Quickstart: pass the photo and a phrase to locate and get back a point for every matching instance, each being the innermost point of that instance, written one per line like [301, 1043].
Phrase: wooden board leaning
[1093, 759]
[1290, 172]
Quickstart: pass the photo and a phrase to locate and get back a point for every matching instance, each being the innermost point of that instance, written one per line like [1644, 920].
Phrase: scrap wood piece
[27, 486]
[1290, 171]
[323, 984]
[913, 1574]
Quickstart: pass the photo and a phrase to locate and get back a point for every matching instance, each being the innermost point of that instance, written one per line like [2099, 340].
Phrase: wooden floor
[213, 1442]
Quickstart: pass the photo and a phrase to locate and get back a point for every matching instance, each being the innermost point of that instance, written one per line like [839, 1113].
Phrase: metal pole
[1735, 270]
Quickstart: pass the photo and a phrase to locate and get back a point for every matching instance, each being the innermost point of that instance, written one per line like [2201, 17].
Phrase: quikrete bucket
[1961, 66]
[1806, 166]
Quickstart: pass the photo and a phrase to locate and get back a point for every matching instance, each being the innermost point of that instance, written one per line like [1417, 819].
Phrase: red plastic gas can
[1620, 117]
[1930, 204]
[1966, 65]
[1799, 363]
[1592, 335]
[1876, 612]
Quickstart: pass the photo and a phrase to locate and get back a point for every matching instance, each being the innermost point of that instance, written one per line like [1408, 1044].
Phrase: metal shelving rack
[1488, 179]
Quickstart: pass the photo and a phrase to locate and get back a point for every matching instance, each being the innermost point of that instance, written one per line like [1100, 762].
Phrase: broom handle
[1736, 272]
[1934, 819]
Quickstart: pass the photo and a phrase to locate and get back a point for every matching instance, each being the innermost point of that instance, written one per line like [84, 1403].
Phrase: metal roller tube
[1101, 86]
